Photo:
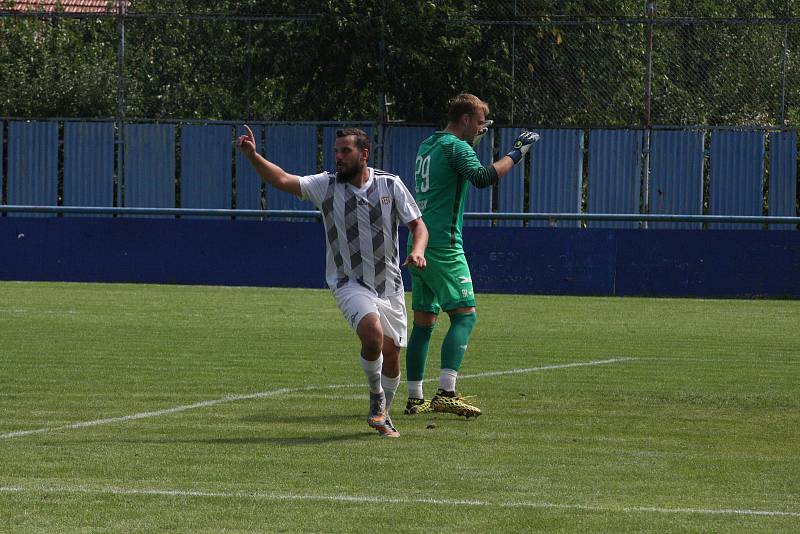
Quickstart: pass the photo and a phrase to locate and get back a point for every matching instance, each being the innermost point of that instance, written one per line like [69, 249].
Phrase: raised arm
[521, 146]
[466, 163]
[269, 172]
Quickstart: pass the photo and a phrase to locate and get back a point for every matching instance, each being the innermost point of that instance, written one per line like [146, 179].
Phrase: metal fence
[401, 61]
[600, 178]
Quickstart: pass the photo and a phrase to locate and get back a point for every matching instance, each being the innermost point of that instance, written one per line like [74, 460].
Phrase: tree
[540, 62]
[57, 67]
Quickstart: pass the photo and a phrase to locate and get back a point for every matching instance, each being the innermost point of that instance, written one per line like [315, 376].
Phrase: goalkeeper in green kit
[446, 165]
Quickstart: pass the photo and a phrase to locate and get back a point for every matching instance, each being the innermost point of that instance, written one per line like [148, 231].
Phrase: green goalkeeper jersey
[444, 168]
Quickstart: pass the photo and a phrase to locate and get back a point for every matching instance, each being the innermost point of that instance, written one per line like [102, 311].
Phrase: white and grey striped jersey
[361, 228]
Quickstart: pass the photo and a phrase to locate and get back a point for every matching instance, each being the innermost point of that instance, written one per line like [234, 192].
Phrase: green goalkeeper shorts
[445, 284]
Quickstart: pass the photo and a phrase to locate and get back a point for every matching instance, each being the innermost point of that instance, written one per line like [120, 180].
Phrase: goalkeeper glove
[522, 145]
[481, 133]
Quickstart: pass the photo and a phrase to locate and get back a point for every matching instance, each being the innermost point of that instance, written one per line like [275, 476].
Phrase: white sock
[447, 379]
[372, 370]
[389, 386]
[415, 389]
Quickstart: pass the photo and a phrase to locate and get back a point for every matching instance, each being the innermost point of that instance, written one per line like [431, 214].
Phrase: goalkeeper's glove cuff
[516, 155]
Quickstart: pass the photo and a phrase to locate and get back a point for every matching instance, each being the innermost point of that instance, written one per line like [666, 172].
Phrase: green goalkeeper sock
[417, 352]
[456, 340]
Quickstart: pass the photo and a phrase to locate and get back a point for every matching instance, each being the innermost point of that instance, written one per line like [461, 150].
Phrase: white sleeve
[404, 203]
[313, 187]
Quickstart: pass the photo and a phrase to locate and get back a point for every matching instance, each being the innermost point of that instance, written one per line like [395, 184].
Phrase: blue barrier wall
[782, 176]
[163, 251]
[89, 164]
[2, 177]
[32, 176]
[737, 174]
[288, 146]
[569, 261]
[556, 175]
[676, 175]
[615, 170]
[162, 165]
[206, 153]
[149, 166]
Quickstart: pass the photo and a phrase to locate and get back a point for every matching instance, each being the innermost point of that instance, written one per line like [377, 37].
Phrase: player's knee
[465, 321]
[370, 333]
[370, 345]
[425, 319]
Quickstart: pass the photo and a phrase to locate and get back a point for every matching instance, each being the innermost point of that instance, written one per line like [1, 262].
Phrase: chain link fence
[393, 62]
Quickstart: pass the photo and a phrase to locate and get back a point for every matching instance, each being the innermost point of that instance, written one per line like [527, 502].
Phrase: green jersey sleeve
[463, 159]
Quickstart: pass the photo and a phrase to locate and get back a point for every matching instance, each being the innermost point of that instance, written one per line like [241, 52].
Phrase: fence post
[513, 63]
[648, 94]
[120, 119]
[783, 70]
[249, 67]
[383, 103]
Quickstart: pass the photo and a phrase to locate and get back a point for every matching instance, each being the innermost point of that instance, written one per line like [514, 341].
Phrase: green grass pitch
[135, 408]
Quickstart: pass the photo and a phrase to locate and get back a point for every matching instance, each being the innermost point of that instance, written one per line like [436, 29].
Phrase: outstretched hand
[522, 144]
[247, 143]
[416, 260]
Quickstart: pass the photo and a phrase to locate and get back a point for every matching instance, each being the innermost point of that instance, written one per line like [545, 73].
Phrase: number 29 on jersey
[422, 174]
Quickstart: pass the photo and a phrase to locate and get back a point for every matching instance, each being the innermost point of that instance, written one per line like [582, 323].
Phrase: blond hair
[465, 103]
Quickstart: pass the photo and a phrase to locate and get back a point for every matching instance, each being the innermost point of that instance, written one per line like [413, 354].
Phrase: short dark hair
[465, 103]
[362, 139]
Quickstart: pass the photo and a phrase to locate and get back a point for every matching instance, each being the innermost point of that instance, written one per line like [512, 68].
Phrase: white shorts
[356, 301]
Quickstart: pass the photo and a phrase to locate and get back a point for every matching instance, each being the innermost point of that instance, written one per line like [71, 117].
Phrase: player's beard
[345, 173]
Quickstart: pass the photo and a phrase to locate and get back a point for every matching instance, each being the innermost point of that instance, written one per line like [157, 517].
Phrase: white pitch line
[166, 411]
[546, 368]
[255, 495]
[274, 392]
[653, 509]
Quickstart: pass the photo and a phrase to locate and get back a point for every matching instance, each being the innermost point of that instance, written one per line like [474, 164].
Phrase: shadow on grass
[300, 418]
[293, 440]
[254, 440]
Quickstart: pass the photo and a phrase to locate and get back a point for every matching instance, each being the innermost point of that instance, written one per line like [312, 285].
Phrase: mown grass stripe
[272, 393]
[396, 500]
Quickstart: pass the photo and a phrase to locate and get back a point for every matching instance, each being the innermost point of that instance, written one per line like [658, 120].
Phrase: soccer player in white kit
[361, 208]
